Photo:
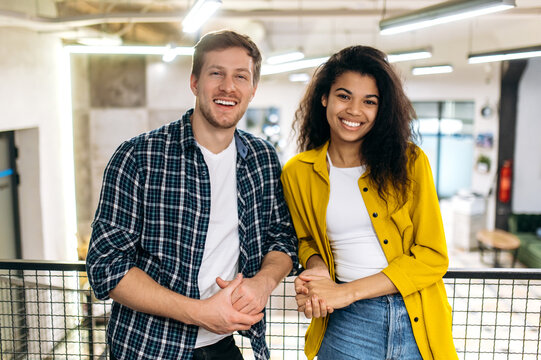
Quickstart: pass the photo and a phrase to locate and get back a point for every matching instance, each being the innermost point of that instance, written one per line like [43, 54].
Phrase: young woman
[365, 209]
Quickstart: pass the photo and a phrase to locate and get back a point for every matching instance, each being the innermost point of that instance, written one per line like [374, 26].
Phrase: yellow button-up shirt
[411, 237]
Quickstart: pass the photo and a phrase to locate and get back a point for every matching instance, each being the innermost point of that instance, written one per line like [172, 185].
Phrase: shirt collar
[187, 139]
[318, 157]
[242, 149]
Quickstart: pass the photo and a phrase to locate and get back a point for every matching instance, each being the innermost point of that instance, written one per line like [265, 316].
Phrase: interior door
[9, 242]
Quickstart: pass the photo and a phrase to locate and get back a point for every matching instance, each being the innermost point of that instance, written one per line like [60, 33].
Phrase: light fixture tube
[130, 50]
[501, 55]
[409, 55]
[100, 41]
[299, 77]
[292, 66]
[199, 14]
[286, 57]
[429, 70]
[441, 14]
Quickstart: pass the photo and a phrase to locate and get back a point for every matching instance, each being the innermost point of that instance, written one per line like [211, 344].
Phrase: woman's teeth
[351, 123]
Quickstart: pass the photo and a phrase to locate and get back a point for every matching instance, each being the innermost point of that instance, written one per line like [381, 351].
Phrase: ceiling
[318, 27]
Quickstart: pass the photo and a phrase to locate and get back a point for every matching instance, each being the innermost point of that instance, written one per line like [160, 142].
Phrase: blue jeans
[377, 328]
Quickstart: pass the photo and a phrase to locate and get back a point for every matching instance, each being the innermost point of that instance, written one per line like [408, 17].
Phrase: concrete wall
[114, 99]
[527, 162]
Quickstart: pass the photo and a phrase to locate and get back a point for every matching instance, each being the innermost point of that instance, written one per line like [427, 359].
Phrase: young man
[192, 233]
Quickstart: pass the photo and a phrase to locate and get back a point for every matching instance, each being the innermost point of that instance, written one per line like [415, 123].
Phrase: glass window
[446, 129]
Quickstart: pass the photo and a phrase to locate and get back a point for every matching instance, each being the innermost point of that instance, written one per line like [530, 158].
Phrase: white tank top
[354, 244]
[222, 250]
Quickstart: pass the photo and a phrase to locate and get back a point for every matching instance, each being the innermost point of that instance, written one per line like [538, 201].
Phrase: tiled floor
[472, 259]
[460, 258]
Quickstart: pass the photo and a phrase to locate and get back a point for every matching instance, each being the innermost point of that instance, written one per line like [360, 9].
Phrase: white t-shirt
[354, 244]
[222, 251]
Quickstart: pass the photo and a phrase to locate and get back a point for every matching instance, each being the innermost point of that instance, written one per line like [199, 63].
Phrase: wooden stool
[498, 240]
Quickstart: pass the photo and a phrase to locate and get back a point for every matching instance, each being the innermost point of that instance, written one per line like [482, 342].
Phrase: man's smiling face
[224, 87]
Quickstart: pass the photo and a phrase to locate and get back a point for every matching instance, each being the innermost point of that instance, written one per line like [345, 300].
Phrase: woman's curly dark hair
[386, 148]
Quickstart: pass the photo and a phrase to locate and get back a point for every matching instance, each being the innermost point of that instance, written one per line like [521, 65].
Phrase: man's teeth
[224, 102]
[350, 123]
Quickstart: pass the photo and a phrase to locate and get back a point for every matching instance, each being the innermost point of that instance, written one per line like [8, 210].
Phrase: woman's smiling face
[352, 106]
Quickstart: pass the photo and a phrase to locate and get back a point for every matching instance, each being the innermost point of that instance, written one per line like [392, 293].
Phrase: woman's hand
[311, 306]
[300, 284]
[335, 295]
[316, 308]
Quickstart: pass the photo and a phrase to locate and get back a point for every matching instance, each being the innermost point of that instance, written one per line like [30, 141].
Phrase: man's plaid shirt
[154, 213]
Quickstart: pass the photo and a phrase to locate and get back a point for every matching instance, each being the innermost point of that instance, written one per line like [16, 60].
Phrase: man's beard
[212, 120]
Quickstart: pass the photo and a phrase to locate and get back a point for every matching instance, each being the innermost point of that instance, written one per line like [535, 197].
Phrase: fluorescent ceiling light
[501, 55]
[299, 77]
[100, 40]
[286, 57]
[169, 55]
[268, 69]
[130, 50]
[441, 14]
[199, 14]
[409, 55]
[428, 70]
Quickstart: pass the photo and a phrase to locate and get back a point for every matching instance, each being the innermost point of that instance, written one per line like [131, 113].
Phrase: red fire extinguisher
[504, 194]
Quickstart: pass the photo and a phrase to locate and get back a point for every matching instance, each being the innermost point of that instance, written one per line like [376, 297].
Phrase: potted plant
[483, 164]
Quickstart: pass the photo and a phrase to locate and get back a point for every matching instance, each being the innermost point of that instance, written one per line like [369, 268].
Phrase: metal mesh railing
[496, 313]
[47, 311]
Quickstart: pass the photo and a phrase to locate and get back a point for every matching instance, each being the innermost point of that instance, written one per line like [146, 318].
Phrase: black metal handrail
[42, 265]
[452, 273]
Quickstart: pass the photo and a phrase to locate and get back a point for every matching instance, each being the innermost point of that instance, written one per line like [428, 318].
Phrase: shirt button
[204, 172]
[385, 241]
[416, 319]
[365, 189]
[375, 214]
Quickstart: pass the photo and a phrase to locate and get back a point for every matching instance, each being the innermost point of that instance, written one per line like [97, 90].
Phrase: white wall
[30, 97]
[527, 166]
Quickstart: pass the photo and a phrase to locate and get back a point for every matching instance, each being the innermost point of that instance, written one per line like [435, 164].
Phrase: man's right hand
[218, 315]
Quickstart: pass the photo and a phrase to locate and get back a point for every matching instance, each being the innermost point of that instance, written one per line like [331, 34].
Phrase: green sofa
[525, 227]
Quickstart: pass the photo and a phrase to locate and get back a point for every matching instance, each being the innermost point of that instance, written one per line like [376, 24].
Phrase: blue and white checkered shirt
[154, 213]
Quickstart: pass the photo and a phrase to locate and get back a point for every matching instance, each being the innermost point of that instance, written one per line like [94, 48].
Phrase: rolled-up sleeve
[293, 193]
[117, 225]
